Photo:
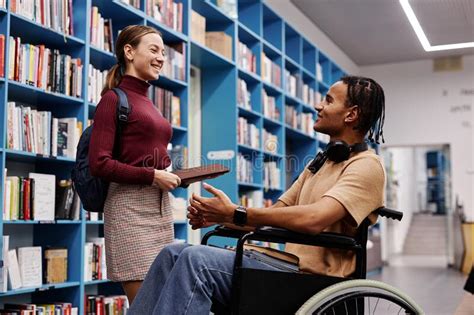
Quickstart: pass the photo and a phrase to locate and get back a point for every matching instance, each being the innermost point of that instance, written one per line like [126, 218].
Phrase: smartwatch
[240, 216]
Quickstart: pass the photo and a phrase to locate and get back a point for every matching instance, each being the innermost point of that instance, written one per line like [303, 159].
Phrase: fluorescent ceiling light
[421, 35]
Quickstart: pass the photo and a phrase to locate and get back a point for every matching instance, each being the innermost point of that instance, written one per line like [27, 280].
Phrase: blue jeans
[184, 279]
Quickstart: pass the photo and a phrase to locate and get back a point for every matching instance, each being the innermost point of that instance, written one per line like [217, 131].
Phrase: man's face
[332, 110]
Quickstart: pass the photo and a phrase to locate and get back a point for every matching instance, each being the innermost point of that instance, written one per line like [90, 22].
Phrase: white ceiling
[378, 31]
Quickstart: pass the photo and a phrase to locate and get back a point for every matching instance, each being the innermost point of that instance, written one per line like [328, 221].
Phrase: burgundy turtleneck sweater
[144, 138]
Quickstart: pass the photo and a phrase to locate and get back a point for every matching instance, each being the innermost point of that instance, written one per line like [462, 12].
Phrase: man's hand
[218, 209]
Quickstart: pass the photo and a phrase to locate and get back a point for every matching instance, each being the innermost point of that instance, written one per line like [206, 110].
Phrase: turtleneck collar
[134, 84]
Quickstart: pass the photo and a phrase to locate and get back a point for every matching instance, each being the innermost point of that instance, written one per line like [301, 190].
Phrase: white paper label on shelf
[221, 155]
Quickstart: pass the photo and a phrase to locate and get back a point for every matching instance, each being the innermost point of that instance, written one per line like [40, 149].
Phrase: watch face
[240, 216]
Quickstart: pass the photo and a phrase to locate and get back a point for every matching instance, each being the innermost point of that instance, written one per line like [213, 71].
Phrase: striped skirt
[138, 223]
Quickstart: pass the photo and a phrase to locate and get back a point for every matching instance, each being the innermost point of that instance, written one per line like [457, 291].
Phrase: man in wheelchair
[336, 192]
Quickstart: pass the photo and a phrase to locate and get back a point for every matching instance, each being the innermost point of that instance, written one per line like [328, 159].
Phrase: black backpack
[93, 190]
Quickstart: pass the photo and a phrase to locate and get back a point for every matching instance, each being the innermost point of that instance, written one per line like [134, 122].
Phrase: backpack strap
[123, 110]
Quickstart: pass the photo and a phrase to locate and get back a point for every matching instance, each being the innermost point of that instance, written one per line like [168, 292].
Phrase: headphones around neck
[336, 151]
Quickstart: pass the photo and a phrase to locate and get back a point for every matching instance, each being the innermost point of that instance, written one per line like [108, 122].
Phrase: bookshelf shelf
[32, 157]
[271, 89]
[45, 287]
[169, 84]
[308, 73]
[169, 35]
[324, 85]
[101, 59]
[30, 94]
[297, 135]
[308, 108]
[179, 129]
[94, 222]
[28, 30]
[291, 64]
[96, 282]
[251, 186]
[247, 34]
[180, 222]
[204, 57]
[211, 11]
[128, 11]
[247, 149]
[272, 156]
[270, 123]
[249, 77]
[246, 113]
[292, 100]
[42, 222]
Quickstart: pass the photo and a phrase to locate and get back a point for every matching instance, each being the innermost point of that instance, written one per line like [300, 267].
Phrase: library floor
[436, 288]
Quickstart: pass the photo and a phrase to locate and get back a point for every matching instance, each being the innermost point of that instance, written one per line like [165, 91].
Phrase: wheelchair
[261, 292]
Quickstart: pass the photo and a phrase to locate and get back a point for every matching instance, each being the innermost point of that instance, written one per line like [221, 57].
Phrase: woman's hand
[218, 209]
[165, 180]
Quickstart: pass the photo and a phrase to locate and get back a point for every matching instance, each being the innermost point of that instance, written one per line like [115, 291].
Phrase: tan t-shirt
[358, 184]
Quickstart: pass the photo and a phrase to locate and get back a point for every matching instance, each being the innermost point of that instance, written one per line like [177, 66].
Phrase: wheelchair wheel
[360, 297]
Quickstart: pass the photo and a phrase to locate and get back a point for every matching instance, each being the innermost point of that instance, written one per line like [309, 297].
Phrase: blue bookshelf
[67, 233]
[257, 26]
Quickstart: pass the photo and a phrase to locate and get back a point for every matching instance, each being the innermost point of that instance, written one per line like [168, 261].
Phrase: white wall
[299, 21]
[424, 107]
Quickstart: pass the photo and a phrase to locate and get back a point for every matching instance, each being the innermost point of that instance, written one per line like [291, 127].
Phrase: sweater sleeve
[101, 162]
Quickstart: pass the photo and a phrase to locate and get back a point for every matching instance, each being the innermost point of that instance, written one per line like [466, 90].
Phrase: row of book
[246, 59]
[174, 66]
[248, 134]
[59, 308]
[167, 12]
[308, 95]
[294, 84]
[32, 266]
[270, 142]
[39, 132]
[271, 176]
[301, 121]
[106, 305]
[244, 169]
[39, 197]
[44, 68]
[319, 72]
[168, 104]
[94, 259]
[243, 95]
[271, 72]
[254, 199]
[101, 35]
[178, 155]
[55, 14]
[97, 80]
[2, 55]
[270, 110]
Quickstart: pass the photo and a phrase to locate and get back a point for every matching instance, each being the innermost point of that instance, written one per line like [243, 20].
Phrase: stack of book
[168, 104]
[244, 169]
[271, 72]
[271, 176]
[44, 68]
[243, 95]
[55, 14]
[97, 80]
[270, 110]
[24, 267]
[293, 84]
[306, 123]
[55, 266]
[270, 142]
[319, 72]
[38, 132]
[94, 259]
[198, 28]
[106, 305]
[175, 62]
[248, 134]
[101, 31]
[246, 59]
[168, 12]
[309, 97]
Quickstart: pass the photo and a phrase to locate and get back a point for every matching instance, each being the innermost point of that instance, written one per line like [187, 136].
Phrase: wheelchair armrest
[389, 213]
[221, 230]
[324, 239]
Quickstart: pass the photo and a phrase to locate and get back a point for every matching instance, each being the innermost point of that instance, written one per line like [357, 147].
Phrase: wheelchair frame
[248, 283]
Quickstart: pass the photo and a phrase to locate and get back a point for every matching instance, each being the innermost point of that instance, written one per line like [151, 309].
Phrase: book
[4, 268]
[278, 254]
[14, 277]
[55, 265]
[44, 196]
[30, 263]
[199, 173]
